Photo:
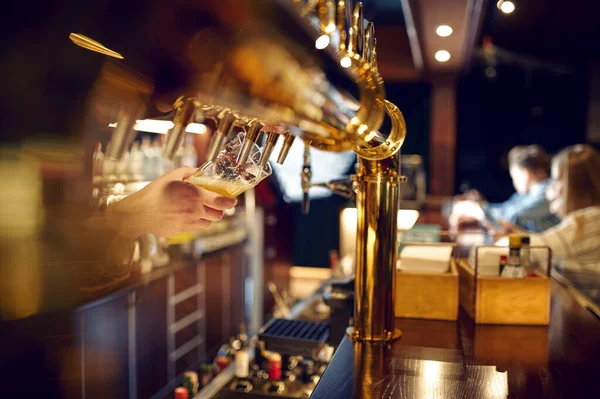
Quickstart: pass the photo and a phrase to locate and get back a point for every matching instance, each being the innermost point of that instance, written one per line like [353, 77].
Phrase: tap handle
[272, 138]
[285, 148]
[305, 180]
[342, 187]
[253, 129]
[185, 109]
[225, 124]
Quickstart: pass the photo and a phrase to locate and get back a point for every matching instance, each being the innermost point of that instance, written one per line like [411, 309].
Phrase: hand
[503, 229]
[167, 206]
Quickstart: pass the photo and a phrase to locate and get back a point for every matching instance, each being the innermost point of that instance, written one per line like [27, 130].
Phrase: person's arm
[507, 210]
[557, 238]
[167, 206]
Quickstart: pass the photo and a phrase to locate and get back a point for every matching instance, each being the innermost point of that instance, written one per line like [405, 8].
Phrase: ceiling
[562, 30]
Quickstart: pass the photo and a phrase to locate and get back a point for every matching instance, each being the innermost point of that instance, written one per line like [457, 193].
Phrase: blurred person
[574, 196]
[528, 208]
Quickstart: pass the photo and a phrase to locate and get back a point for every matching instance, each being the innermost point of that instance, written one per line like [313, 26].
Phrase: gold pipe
[185, 108]
[377, 203]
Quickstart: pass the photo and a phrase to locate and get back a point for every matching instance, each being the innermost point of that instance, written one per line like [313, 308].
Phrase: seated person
[528, 208]
[574, 196]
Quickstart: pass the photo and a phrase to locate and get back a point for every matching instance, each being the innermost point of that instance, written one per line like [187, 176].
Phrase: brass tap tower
[297, 68]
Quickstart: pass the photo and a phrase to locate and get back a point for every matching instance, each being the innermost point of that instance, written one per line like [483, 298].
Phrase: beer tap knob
[285, 148]
[185, 108]
[305, 180]
[254, 127]
[268, 148]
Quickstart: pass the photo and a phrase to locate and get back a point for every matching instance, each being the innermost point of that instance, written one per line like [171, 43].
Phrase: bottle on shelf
[189, 157]
[242, 368]
[260, 356]
[526, 256]
[206, 374]
[513, 267]
[190, 382]
[221, 362]
[136, 162]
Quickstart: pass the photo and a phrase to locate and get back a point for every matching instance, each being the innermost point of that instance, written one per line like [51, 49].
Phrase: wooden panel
[442, 152]
[427, 296]
[186, 307]
[151, 338]
[106, 372]
[185, 278]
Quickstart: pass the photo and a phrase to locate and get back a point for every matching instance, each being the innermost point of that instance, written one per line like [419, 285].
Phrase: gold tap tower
[297, 68]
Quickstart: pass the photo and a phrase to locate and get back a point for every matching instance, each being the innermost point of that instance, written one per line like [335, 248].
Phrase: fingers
[212, 214]
[196, 225]
[216, 201]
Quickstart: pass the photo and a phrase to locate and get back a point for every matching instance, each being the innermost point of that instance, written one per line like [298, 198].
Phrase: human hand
[502, 229]
[166, 206]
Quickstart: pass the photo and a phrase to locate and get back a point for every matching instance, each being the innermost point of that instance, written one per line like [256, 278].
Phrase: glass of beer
[224, 177]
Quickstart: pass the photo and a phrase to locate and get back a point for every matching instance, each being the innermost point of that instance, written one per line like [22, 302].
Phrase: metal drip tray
[294, 337]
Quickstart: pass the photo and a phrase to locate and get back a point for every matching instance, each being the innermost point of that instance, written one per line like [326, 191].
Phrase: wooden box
[498, 300]
[426, 295]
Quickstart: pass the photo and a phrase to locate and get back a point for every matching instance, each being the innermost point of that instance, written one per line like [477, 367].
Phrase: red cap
[181, 393]
[503, 257]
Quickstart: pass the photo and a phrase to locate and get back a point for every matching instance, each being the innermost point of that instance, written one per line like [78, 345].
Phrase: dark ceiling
[560, 30]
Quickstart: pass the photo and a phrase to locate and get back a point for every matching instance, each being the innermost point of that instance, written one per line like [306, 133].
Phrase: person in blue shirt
[528, 208]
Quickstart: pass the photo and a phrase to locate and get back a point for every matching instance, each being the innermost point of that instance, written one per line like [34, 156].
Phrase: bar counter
[463, 360]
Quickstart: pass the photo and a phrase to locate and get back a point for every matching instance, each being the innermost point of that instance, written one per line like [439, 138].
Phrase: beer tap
[270, 142]
[345, 187]
[254, 127]
[285, 148]
[226, 121]
[185, 108]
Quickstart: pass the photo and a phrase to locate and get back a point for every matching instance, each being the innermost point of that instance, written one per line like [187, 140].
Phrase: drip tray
[294, 337]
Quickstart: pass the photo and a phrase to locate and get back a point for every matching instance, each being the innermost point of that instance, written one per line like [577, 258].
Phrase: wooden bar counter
[439, 359]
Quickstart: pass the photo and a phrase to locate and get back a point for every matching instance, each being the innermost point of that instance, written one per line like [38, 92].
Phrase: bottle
[222, 362]
[242, 363]
[526, 254]
[122, 169]
[206, 374]
[513, 267]
[259, 355]
[189, 157]
[275, 366]
[190, 382]
[181, 393]
[148, 155]
[156, 162]
[136, 162]
[503, 261]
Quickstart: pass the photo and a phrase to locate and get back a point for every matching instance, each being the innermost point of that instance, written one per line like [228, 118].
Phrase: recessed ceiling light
[506, 6]
[444, 30]
[442, 56]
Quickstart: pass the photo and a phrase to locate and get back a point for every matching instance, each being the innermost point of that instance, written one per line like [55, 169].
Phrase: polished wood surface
[437, 359]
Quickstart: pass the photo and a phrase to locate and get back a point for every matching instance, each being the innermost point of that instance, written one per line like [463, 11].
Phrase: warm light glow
[506, 7]
[322, 42]
[444, 30]
[442, 56]
[163, 127]
[346, 62]
[153, 126]
[196, 128]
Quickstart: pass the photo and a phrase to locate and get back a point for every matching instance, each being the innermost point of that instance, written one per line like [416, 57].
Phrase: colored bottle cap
[514, 240]
[525, 240]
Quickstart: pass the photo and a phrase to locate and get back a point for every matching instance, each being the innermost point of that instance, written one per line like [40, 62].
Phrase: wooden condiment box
[427, 295]
[498, 300]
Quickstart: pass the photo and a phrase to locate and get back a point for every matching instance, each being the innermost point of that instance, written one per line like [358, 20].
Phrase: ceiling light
[506, 6]
[443, 30]
[322, 42]
[346, 62]
[442, 56]
[197, 128]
